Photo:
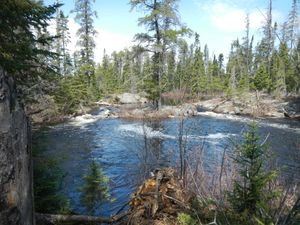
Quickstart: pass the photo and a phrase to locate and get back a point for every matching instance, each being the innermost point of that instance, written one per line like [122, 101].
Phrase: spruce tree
[198, 70]
[261, 80]
[248, 195]
[292, 25]
[86, 33]
[95, 188]
[63, 39]
[286, 79]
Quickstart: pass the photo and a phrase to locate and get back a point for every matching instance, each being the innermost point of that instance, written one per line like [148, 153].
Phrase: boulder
[129, 98]
[188, 110]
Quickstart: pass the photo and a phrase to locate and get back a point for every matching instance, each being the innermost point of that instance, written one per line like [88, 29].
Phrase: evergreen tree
[47, 186]
[86, 33]
[183, 67]
[266, 45]
[171, 70]
[285, 73]
[163, 29]
[248, 195]
[206, 57]
[198, 76]
[220, 65]
[292, 26]
[20, 50]
[95, 188]
[62, 32]
[261, 80]
[296, 63]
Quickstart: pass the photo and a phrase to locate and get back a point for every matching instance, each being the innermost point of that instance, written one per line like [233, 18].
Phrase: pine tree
[163, 29]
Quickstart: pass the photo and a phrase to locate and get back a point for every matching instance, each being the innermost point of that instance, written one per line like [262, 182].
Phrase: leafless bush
[175, 97]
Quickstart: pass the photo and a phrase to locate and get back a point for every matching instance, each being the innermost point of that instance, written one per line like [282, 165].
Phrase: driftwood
[294, 117]
[49, 219]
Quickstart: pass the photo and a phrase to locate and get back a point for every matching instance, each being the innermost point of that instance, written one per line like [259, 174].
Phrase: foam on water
[138, 129]
[248, 120]
[83, 120]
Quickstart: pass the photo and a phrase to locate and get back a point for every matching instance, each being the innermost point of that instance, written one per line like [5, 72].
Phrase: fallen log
[49, 219]
[290, 116]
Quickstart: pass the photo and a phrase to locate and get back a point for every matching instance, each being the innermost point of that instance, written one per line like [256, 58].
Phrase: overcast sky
[218, 22]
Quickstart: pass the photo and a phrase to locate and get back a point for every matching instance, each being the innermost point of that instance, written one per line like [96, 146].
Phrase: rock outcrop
[129, 98]
[16, 196]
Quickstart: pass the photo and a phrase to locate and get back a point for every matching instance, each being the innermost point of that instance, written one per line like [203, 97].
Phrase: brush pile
[158, 200]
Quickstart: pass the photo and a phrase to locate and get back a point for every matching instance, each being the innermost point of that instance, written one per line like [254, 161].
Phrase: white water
[138, 129]
[81, 121]
[248, 120]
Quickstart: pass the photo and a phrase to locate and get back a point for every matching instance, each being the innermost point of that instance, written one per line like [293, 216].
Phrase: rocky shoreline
[131, 106]
[250, 105]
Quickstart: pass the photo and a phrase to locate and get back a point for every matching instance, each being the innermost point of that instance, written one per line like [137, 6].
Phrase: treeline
[271, 66]
[162, 61]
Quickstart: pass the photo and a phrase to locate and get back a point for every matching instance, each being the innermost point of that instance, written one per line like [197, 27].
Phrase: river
[118, 146]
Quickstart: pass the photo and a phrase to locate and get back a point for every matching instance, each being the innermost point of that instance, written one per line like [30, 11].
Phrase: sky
[218, 22]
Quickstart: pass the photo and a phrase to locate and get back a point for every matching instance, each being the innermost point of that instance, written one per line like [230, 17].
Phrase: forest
[168, 65]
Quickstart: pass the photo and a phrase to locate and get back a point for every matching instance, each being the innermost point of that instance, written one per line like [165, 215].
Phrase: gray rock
[16, 198]
[129, 98]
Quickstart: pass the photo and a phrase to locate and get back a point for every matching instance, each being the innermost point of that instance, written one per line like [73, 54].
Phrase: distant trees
[175, 66]
[162, 62]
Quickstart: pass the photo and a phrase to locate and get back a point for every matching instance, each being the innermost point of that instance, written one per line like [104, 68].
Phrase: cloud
[110, 42]
[227, 18]
[105, 39]
[230, 15]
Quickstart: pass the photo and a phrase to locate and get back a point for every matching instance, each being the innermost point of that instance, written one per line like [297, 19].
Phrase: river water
[127, 150]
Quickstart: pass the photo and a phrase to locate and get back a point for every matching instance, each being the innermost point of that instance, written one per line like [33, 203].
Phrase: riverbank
[134, 107]
[253, 105]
